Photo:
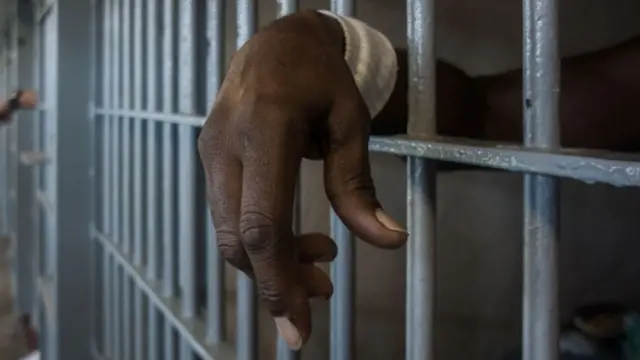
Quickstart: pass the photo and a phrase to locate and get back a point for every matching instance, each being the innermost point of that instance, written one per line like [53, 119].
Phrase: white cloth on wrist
[372, 60]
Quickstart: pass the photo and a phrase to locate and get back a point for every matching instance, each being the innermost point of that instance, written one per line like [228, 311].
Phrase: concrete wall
[479, 245]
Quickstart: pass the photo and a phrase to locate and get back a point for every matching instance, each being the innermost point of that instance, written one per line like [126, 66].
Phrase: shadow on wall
[480, 213]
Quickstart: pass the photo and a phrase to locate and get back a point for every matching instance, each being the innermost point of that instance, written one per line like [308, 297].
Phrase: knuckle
[270, 292]
[258, 231]
[274, 298]
[230, 249]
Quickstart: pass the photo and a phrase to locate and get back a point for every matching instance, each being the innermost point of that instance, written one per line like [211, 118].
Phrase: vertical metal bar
[37, 171]
[106, 177]
[168, 184]
[126, 126]
[115, 131]
[216, 315]
[284, 353]
[247, 328]
[343, 301]
[138, 343]
[152, 172]
[343, 275]
[115, 179]
[286, 7]
[95, 170]
[421, 183]
[187, 163]
[116, 311]
[541, 102]
[344, 7]
[126, 173]
[138, 218]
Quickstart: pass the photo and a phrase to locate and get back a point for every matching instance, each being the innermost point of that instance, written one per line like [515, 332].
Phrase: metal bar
[107, 331]
[187, 168]
[421, 183]
[153, 351]
[95, 196]
[126, 316]
[117, 314]
[126, 173]
[343, 273]
[168, 169]
[138, 218]
[37, 171]
[541, 77]
[115, 179]
[247, 316]
[193, 330]
[216, 310]
[126, 125]
[591, 166]
[286, 7]
[139, 340]
[344, 7]
[107, 304]
[588, 166]
[162, 117]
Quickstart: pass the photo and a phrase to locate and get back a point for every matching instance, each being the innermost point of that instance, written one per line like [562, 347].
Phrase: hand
[28, 99]
[251, 162]
[279, 104]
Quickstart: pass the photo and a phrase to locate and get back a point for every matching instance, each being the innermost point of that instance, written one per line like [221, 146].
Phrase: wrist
[14, 101]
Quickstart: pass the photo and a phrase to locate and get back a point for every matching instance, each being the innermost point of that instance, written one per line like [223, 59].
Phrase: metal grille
[154, 67]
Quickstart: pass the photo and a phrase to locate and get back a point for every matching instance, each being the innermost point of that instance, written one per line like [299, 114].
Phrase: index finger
[271, 162]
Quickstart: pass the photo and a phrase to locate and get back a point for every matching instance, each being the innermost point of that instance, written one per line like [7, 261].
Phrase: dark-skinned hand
[289, 95]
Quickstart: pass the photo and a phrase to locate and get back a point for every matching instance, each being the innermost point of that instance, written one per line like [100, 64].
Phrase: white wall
[479, 214]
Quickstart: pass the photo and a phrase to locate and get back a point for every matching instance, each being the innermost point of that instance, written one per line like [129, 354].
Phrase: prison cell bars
[247, 316]
[541, 91]
[286, 7]
[541, 98]
[168, 180]
[138, 194]
[421, 183]
[216, 309]
[343, 275]
[95, 302]
[153, 233]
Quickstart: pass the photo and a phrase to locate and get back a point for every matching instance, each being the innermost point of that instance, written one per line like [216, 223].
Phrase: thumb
[350, 188]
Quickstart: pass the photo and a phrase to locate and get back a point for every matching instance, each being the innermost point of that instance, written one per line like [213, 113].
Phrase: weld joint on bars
[584, 165]
[193, 329]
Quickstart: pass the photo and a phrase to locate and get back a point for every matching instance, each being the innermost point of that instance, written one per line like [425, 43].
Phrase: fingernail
[289, 333]
[388, 222]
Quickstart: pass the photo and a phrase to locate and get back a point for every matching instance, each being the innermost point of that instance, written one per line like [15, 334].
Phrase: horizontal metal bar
[585, 165]
[180, 119]
[192, 330]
